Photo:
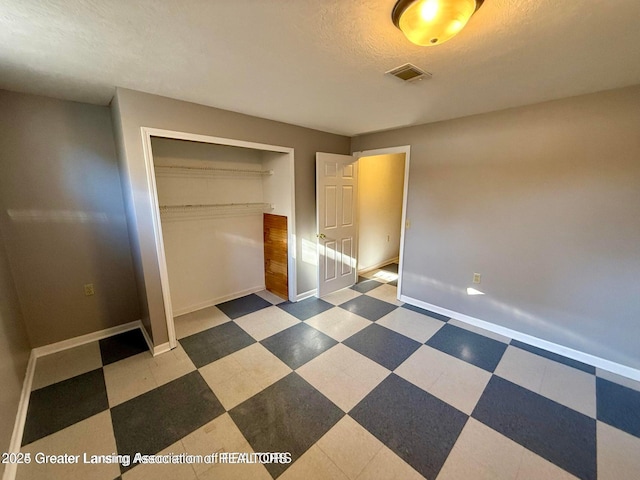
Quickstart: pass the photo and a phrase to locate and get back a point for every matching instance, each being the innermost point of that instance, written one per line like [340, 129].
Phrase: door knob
[321, 236]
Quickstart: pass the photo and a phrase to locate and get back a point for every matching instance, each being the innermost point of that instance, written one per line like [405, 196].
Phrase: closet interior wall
[215, 253]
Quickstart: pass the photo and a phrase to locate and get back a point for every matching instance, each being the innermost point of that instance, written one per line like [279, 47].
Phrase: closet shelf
[176, 170]
[213, 210]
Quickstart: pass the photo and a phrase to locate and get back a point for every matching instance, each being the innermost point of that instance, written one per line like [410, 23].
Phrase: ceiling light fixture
[432, 22]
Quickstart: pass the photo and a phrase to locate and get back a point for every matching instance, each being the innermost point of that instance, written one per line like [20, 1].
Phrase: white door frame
[406, 149]
[147, 133]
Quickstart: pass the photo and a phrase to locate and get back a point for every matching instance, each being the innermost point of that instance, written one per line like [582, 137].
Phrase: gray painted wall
[132, 110]
[14, 353]
[62, 217]
[544, 202]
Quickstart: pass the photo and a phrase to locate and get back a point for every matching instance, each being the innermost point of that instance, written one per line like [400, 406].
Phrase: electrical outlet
[89, 290]
[476, 278]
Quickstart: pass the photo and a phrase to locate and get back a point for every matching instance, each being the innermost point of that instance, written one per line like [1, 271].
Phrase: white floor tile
[66, 364]
[143, 372]
[163, 471]
[350, 446]
[338, 323]
[341, 296]
[411, 324]
[239, 376]
[231, 471]
[93, 436]
[222, 435]
[534, 467]
[482, 453]
[386, 293]
[129, 378]
[266, 322]
[171, 365]
[313, 465]
[388, 466]
[344, 376]
[563, 384]
[570, 387]
[199, 321]
[454, 381]
[618, 453]
[522, 368]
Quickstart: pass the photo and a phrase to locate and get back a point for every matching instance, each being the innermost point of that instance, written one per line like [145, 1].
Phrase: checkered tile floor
[354, 386]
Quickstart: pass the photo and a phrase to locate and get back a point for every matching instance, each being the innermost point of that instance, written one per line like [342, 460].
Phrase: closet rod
[213, 210]
[235, 171]
[170, 208]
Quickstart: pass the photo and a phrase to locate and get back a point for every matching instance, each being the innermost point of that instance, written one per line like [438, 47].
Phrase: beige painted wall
[132, 110]
[544, 202]
[62, 217]
[380, 185]
[14, 353]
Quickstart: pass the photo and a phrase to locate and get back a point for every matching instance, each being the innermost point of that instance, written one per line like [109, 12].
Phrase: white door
[336, 195]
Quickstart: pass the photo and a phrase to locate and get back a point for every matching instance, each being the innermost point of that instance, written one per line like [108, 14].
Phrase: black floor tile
[64, 403]
[243, 306]
[475, 349]
[368, 307]
[559, 434]
[365, 285]
[154, 420]
[555, 357]
[429, 313]
[306, 309]
[289, 416]
[393, 283]
[296, 345]
[618, 406]
[382, 345]
[122, 346]
[417, 426]
[217, 342]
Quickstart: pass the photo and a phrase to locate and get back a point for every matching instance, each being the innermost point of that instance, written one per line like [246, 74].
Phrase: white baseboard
[154, 349]
[583, 357]
[214, 301]
[11, 469]
[307, 294]
[84, 339]
[160, 349]
[378, 265]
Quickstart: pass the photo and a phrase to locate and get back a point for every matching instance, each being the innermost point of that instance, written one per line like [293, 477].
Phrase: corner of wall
[127, 192]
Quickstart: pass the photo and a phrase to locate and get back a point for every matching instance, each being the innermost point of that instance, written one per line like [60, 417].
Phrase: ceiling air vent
[408, 73]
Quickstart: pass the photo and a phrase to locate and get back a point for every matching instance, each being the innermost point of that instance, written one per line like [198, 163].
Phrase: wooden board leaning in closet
[275, 255]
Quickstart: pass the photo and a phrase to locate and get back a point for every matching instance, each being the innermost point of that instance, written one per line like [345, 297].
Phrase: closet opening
[224, 219]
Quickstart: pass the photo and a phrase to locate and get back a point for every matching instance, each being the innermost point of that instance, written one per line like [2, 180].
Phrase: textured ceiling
[317, 63]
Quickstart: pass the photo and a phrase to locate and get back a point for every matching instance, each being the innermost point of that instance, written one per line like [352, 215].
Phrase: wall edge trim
[308, 294]
[214, 301]
[11, 469]
[583, 357]
[87, 338]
